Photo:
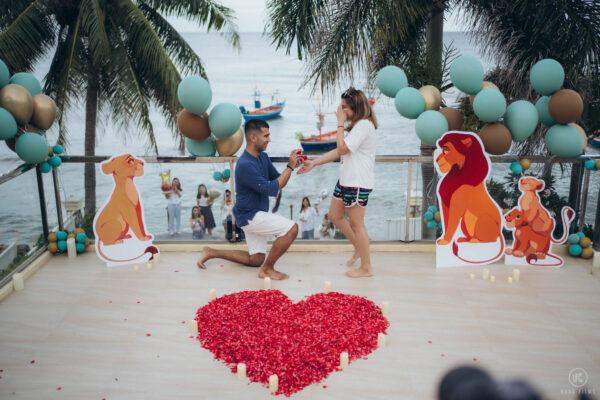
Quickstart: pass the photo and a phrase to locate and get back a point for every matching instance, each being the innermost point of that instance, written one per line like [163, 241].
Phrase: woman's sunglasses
[349, 93]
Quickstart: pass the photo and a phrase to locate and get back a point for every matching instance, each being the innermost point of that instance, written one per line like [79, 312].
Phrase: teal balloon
[580, 234]
[62, 245]
[194, 94]
[28, 81]
[45, 167]
[564, 141]
[81, 237]
[575, 250]
[590, 165]
[227, 174]
[217, 176]
[440, 226]
[429, 215]
[57, 149]
[409, 102]
[466, 72]
[79, 247]
[224, 120]
[521, 118]
[8, 125]
[4, 75]
[55, 161]
[489, 105]
[432, 225]
[430, 126]
[201, 148]
[32, 148]
[516, 168]
[542, 108]
[61, 235]
[573, 238]
[390, 80]
[433, 209]
[547, 76]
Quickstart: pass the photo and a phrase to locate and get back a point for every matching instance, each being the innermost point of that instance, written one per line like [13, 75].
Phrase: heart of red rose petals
[300, 343]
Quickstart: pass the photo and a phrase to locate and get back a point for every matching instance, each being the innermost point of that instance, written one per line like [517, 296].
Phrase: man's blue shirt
[255, 181]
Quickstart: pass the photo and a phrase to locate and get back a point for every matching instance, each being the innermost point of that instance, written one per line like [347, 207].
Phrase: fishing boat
[264, 113]
[323, 141]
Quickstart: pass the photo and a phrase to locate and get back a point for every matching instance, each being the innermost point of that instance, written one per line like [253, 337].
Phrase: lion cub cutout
[119, 226]
[471, 219]
[532, 227]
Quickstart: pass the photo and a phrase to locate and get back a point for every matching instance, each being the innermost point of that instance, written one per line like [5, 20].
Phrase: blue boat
[272, 111]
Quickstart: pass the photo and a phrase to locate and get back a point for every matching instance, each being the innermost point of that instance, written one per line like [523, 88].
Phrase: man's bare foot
[360, 272]
[351, 261]
[271, 273]
[206, 255]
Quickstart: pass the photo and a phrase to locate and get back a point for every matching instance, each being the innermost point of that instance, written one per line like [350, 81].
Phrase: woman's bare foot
[206, 255]
[353, 259]
[360, 272]
[271, 273]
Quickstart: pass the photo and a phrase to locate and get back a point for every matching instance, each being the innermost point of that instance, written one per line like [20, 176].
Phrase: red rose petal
[324, 386]
[183, 322]
[110, 301]
[474, 359]
[221, 265]
[443, 355]
[176, 270]
[32, 362]
[147, 334]
[429, 341]
[116, 379]
[138, 302]
[191, 337]
[59, 388]
[299, 280]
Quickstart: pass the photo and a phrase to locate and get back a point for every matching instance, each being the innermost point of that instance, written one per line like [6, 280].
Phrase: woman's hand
[341, 115]
[307, 165]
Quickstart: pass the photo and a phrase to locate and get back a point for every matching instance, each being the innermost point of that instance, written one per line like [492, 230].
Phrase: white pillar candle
[344, 360]
[510, 279]
[18, 283]
[472, 276]
[485, 274]
[193, 327]
[71, 248]
[241, 371]
[492, 278]
[273, 383]
[385, 308]
[212, 294]
[596, 260]
[381, 340]
[267, 284]
[516, 275]
[327, 286]
[149, 265]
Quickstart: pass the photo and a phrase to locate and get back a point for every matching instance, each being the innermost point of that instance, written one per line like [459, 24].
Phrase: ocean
[233, 77]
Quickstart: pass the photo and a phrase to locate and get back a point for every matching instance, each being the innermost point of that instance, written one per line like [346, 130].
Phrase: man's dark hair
[478, 380]
[254, 125]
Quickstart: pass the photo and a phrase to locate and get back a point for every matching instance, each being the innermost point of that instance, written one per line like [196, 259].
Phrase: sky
[252, 15]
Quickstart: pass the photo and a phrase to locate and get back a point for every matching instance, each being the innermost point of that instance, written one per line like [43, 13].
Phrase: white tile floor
[83, 326]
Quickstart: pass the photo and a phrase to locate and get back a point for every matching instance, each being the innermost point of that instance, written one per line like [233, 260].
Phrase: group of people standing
[256, 179]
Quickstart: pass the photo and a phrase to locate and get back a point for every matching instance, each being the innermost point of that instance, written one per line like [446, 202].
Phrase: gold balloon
[587, 253]
[17, 101]
[585, 242]
[44, 111]
[454, 118]
[565, 106]
[432, 96]
[525, 164]
[496, 138]
[230, 145]
[50, 151]
[193, 126]
[598, 165]
[484, 85]
[437, 216]
[582, 133]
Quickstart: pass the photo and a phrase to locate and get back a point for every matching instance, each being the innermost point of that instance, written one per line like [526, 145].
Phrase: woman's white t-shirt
[174, 198]
[308, 215]
[202, 201]
[357, 168]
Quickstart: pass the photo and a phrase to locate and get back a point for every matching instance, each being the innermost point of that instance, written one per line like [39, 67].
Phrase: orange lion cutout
[471, 219]
[119, 227]
[532, 227]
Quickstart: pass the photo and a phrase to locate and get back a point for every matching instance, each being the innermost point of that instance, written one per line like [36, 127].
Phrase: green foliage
[18, 260]
[87, 224]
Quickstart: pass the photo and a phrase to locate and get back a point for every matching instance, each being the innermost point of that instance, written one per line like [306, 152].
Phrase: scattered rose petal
[59, 388]
[474, 359]
[147, 334]
[1, 370]
[443, 355]
[183, 322]
[429, 341]
[221, 265]
[124, 319]
[324, 386]
[110, 301]
[176, 270]
[299, 280]
[138, 302]
[32, 362]
[116, 379]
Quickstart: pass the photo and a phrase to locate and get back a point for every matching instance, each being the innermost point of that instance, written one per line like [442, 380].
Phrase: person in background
[174, 197]
[307, 216]
[197, 223]
[327, 230]
[204, 201]
[226, 209]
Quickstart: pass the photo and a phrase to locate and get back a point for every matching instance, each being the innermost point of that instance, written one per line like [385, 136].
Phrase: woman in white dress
[307, 219]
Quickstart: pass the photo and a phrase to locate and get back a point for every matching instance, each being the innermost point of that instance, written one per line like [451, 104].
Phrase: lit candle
[212, 294]
[241, 371]
[136, 268]
[18, 283]
[344, 360]
[327, 286]
[149, 265]
[516, 275]
[492, 278]
[381, 340]
[156, 257]
[385, 308]
[71, 248]
[510, 279]
[193, 327]
[485, 274]
[273, 383]
[267, 283]
[472, 276]
[596, 260]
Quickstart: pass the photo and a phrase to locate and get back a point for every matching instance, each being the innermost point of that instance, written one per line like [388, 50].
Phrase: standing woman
[174, 207]
[356, 150]
[307, 219]
[205, 203]
[226, 209]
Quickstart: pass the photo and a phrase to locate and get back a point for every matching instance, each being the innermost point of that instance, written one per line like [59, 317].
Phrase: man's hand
[307, 165]
[295, 159]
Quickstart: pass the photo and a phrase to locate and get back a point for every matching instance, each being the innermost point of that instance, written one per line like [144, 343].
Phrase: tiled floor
[81, 327]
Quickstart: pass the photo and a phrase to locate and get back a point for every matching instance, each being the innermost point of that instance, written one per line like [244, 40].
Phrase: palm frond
[92, 23]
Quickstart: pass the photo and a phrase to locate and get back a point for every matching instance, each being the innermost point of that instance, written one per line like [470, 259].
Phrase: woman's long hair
[178, 183]
[195, 208]
[359, 103]
[199, 195]
[302, 204]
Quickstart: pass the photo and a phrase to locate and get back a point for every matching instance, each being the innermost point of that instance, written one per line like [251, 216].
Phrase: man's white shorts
[263, 227]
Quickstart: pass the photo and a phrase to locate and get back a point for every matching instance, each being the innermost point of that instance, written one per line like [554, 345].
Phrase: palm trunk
[91, 111]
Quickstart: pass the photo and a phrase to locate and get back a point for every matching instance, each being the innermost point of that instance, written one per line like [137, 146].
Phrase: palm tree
[118, 56]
